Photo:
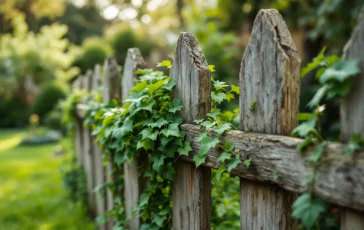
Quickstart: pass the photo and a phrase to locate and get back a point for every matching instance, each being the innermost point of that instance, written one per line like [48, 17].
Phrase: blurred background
[45, 45]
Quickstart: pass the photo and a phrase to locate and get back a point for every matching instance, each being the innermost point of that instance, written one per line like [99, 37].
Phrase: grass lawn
[31, 192]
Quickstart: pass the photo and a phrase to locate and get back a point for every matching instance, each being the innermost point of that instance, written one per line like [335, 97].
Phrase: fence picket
[111, 90]
[191, 186]
[78, 132]
[87, 152]
[133, 184]
[97, 158]
[351, 117]
[270, 79]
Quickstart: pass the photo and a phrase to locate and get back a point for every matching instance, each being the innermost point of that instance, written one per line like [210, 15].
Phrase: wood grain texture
[98, 159]
[133, 184]
[191, 186]
[270, 76]
[87, 153]
[352, 114]
[271, 153]
[111, 90]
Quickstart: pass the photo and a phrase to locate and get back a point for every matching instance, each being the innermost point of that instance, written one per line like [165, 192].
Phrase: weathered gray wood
[270, 76]
[78, 128]
[191, 187]
[111, 90]
[87, 148]
[271, 153]
[352, 115]
[98, 160]
[133, 184]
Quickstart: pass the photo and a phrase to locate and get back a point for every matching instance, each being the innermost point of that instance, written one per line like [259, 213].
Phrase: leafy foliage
[334, 76]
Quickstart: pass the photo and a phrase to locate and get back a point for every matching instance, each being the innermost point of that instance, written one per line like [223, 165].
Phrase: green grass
[31, 192]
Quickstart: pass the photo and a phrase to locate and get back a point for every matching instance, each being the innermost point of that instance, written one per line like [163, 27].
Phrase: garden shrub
[12, 112]
[47, 100]
[53, 120]
[124, 40]
[94, 51]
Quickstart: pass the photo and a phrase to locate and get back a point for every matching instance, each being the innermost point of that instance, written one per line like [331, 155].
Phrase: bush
[94, 51]
[45, 137]
[47, 100]
[12, 113]
[124, 40]
[53, 120]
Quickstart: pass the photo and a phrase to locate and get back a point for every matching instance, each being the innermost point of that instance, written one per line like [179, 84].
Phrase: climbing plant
[334, 76]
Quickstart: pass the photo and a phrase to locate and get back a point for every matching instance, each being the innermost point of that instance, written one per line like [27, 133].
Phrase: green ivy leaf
[159, 123]
[234, 163]
[158, 219]
[174, 118]
[208, 143]
[185, 149]
[235, 89]
[305, 128]
[198, 121]
[228, 146]
[340, 71]
[214, 113]
[276, 175]
[219, 85]
[149, 134]
[124, 129]
[165, 63]
[175, 106]
[223, 157]
[208, 124]
[308, 209]
[172, 130]
[157, 161]
[146, 144]
[221, 129]
[230, 96]
[316, 154]
[218, 97]
[248, 162]
[199, 159]
[219, 172]
[143, 199]
[313, 65]
[170, 84]
[319, 95]
[307, 142]
[212, 68]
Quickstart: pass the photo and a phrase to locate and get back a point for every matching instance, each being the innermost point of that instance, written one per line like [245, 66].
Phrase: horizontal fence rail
[270, 76]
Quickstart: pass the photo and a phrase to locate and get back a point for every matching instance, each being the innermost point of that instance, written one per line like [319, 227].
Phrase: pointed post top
[112, 81]
[272, 20]
[193, 78]
[134, 60]
[270, 77]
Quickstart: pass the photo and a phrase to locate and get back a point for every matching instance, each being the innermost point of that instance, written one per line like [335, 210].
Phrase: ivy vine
[334, 76]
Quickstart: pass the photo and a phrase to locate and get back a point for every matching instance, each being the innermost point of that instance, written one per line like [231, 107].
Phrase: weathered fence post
[269, 103]
[97, 157]
[111, 90]
[87, 154]
[133, 185]
[191, 187]
[352, 116]
[79, 127]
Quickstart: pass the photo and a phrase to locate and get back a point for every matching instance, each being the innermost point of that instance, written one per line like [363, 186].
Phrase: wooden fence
[269, 75]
